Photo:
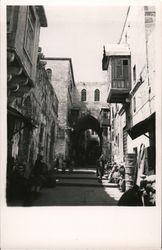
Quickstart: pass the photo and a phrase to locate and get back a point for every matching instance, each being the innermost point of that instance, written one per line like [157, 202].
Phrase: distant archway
[88, 122]
[85, 147]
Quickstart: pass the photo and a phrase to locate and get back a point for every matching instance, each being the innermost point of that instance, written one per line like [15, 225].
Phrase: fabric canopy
[142, 127]
[13, 112]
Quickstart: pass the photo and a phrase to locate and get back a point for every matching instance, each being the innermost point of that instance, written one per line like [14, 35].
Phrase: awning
[142, 127]
[117, 50]
[27, 121]
[114, 50]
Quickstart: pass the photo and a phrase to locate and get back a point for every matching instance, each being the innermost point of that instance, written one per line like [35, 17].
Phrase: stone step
[84, 183]
[72, 177]
[112, 185]
[77, 171]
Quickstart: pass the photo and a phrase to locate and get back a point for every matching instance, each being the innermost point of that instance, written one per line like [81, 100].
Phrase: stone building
[92, 134]
[32, 104]
[23, 29]
[92, 96]
[62, 79]
[36, 113]
[130, 66]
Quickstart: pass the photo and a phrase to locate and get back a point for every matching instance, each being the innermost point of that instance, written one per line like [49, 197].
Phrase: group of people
[61, 163]
[21, 186]
[142, 195]
[41, 176]
[115, 173]
[25, 185]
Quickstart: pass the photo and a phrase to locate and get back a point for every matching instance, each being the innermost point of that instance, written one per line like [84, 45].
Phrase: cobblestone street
[77, 189]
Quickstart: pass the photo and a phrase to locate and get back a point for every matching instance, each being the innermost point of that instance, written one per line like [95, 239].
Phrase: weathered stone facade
[32, 102]
[90, 105]
[23, 29]
[89, 99]
[62, 80]
[138, 112]
[40, 105]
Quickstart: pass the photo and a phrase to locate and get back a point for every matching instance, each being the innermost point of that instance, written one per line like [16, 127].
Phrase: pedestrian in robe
[38, 171]
[100, 168]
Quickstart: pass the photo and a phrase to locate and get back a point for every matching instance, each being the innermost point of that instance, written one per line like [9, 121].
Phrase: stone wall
[63, 83]
[18, 39]
[90, 104]
[41, 106]
[139, 34]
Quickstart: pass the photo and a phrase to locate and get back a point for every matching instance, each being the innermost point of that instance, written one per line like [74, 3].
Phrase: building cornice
[42, 16]
[62, 59]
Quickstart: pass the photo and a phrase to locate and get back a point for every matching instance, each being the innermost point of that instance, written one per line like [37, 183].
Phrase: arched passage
[88, 122]
[87, 140]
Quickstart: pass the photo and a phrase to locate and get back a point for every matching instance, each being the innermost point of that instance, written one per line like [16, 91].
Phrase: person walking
[56, 164]
[100, 168]
[38, 171]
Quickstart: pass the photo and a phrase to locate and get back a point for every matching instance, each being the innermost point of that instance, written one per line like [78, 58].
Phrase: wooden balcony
[117, 61]
[118, 91]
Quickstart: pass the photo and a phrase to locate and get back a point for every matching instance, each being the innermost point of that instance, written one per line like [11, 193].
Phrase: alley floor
[79, 188]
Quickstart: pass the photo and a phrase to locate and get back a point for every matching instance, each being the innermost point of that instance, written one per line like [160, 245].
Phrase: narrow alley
[98, 120]
[79, 188]
[80, 130]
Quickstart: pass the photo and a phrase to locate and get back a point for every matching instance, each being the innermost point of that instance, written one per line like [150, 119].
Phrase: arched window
[97, 95]
[83, 95]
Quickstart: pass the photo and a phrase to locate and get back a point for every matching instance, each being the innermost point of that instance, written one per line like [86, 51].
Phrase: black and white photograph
[81, 106]
[76, 140]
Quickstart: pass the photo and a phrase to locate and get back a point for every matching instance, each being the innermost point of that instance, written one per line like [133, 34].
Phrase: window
[121, 69]
[83, 95]
[134, 104]
[124, 142]
[41, 133]
[10, 12]
[29, 35]
[134, 73]
[105, 114]
[105, 132]
[97, 95]
[117, 140]
[108, 115]
[126, 38]
[112, 124]
[112, 135]
[125, 69]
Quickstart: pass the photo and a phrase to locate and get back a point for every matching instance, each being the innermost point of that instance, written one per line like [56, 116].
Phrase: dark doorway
[87, 141]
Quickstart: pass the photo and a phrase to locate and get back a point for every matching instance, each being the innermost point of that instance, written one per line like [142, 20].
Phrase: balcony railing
[118, 91]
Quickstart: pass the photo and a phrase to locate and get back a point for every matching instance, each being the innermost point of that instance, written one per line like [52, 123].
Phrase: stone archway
[86, 149]
[88, 122]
